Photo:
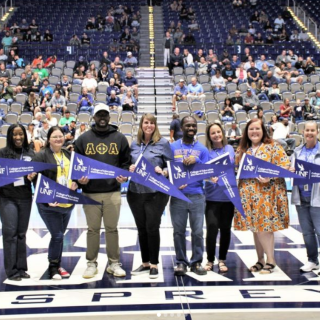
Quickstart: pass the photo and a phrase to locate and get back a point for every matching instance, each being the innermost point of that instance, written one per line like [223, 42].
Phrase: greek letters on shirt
[102, 148]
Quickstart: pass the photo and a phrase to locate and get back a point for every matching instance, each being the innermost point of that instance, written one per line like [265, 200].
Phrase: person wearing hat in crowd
[66, 119]
[106, 144]
[310, 112]
[180, 93]
[69, 131]
[130, 61]
[81, 130]
[60, 89]
[43, 132]
[45, 88]
[250, 101]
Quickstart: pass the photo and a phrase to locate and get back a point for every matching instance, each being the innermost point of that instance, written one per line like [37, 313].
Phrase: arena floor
[237, 294]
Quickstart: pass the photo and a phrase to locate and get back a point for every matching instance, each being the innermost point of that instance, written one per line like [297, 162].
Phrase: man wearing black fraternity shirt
[176, 60]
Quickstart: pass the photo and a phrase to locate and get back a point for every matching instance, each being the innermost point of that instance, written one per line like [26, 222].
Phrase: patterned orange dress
[265, 204]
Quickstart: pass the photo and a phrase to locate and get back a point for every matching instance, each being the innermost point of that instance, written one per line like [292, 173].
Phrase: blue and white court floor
[285, 294]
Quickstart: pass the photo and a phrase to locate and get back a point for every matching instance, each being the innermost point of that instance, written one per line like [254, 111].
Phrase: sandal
[257, 267]
[222, 266]
[209, 266]
[266, 270]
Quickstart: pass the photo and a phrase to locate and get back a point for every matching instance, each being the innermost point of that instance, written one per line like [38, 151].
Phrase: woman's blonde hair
[156, 136]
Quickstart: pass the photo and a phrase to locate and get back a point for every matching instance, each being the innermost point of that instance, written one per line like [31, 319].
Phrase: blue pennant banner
[252, 167]
[181, 174]
[10, 168]
[309, 172]
[49, 191]
[83, 166]
[146, 176]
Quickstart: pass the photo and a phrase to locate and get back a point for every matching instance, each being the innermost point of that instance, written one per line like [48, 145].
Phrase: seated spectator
[249, 39]
[255, 17]
[45, 88]
[43, 133]
[27, 37]
[103, 75]
[274, 92]
[105, 59]
[90, 83]
[294, 36]
[75, 41]
[37, 37]
[81, 62]
[177, 36]
[91, 23]
[85, 40]
[10, 60]
[25, 84]
[286, 109]
[315, 101]
[191, 14]
[243, 31]
[82, 129]
[303, 36]
[229, 41]
[112, 87]
[118, 82]
[180, 93]
[59, 88]
[50, 119]
[291, 57]
[69, 131]
[263, 17]
[187, 58]
[19, 62]
[237, 3]
[183, 16]
[218, 83]
[42, 72]
[293, 74]
[45, 103]
[229, 74]
[135, 36]
[237, 101]
[66, 119]
[128, 102]
[58, 102]
[310, 113]
[269, 39]
[253, 73]
[6, 95]
[24, 26]
[118, 64]
[130, 61]
[235, 62]
[225, 58]
[4, 74]
[281, 133]
[195, 91]
[28, 71]
[259, 39]
[113, 101]
[282, 57]
[298, 111]
[264, 70]
[3, 57]
[250, 101]
[193, 26]
[131, 83]
[241, 74]
[202, 66]
[50, 62]
[252, 30]
[33, 140]
[31, 103]
[176, 60]
[227, 111]
[48, 36]
[134, 22]
[174, 6]
[6, 42]
[188, 39]
[33, 27]
[85, 101]
[66, 86]
[233, 31]
[260, 115]
[79, 75]
[279, 22]
[234, 135]
[269, 79]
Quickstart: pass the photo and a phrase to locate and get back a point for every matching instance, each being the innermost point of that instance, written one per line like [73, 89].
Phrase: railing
[5, 6]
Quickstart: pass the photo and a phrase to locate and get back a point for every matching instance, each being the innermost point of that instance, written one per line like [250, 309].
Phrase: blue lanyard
[143, 148]
[223, 151]
[189, 150]
[60, 162]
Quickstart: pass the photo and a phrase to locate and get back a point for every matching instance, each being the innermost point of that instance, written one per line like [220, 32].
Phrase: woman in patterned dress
[264, 200]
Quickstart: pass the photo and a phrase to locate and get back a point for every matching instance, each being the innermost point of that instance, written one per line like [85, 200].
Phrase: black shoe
[24, 275]
[198, 269]
[16, 277]
[140, 270]
[180, 269]
[153, 274]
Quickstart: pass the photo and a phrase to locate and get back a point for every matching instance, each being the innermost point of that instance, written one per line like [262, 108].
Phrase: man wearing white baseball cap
[105, 144]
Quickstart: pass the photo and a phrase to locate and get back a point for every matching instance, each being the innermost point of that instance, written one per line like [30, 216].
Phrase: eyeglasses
[57, 137]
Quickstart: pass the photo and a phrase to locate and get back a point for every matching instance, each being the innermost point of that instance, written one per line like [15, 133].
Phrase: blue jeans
[56, 220]
[87, 108]
[180, 211]
[8, 101]
[15, 216]
[309, 219]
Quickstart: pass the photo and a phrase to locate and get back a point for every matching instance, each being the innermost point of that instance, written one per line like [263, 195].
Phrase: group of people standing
[264, 200]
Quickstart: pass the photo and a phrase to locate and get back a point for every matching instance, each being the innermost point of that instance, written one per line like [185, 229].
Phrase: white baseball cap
[99, 107]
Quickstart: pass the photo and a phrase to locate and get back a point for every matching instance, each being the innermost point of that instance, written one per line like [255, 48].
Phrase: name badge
[63, 181]
[19, 182]
[306, 187]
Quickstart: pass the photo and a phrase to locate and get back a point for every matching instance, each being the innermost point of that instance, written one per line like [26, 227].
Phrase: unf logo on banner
[46, 190]
[249, 166]
[179, 174]
[80, 166]
[142, 171]
[302, 172]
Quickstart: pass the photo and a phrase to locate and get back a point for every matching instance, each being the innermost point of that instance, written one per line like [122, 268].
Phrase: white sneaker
[91, 270]
[309, 266]
[116, 270]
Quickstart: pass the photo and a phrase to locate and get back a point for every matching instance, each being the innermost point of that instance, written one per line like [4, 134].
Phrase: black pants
[172, 66]
[218, 216]
[147, 209]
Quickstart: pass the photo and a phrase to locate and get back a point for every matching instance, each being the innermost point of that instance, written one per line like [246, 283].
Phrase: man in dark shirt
[69, 131]
[253, 73]
[269, 79]
[105, 59]
[25, 83]
[229, 74]
[176, 60]
[131, 82]
[175, 128]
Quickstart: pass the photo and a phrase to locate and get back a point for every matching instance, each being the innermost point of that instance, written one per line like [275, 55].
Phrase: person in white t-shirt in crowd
[90, 83]
[187, 59]
[217, 82]
[278, 23]
[281, 133]
[303, 36]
